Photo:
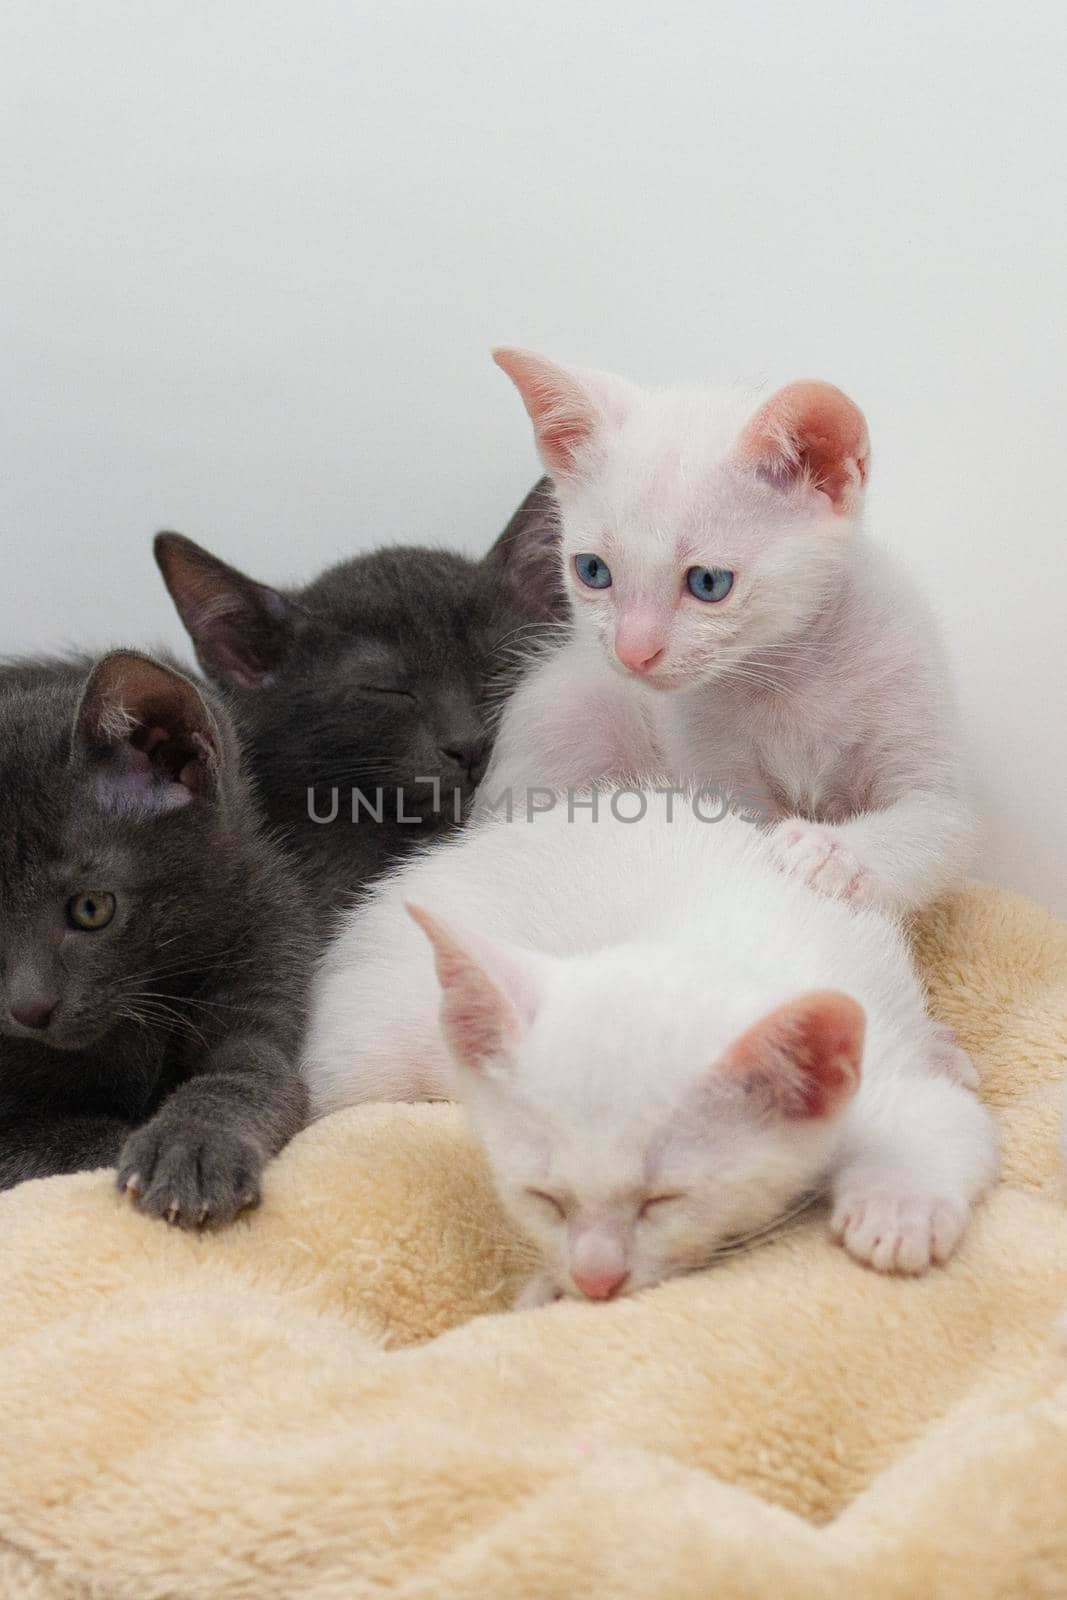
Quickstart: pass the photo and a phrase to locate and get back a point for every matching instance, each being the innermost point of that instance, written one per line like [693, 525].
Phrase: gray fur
[171, 1048]
[307, 674]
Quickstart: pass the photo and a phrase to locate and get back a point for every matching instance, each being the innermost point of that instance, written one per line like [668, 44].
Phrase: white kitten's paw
[949, 1059]
[540, 1291]
[896, 1229]
[819, 857]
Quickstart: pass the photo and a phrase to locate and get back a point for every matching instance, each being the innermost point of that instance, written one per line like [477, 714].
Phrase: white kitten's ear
[811, 435]
[804, 1056]
[489, 994]
[152, 743]
[571, 410]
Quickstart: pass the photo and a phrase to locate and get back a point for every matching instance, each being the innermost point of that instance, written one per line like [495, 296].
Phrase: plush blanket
[329, 1399]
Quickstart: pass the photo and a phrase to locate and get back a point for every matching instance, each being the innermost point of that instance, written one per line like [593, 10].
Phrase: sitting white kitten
[732, 626]
[662, 1042]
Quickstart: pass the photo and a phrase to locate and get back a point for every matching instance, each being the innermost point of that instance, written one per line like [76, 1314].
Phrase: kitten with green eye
[154, 947]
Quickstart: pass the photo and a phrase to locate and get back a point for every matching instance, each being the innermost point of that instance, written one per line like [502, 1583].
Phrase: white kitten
[733, 627]
[658, 1038]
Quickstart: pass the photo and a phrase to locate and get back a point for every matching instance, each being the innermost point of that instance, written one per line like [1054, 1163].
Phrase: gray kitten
[382, 677]
[154, 946]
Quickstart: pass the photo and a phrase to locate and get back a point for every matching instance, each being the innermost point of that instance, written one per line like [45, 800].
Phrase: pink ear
[487, 996]
[153, 744]
[564, 407]
[811, 433]
[806, 1054]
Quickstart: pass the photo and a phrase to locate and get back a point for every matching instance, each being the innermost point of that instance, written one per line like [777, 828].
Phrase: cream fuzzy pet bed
[324, 1401]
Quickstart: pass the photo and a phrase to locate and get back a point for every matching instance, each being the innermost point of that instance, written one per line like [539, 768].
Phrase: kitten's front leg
[572, 723]
[902, 1198]
[817, 854]
[893, 1223]
[43, 1147]
[200, 1158]
[900, 857]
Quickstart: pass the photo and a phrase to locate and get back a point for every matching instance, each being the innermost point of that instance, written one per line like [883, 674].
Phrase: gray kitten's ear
[529, 559]
[152, 743]
[241, 629]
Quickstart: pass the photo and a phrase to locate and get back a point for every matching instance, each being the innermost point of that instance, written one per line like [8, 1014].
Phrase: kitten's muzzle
[35, 1013]
[639, 659]
[464, 762]
[600, 1285]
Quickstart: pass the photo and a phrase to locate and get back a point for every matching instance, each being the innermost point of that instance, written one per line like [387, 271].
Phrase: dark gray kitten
[382, 677]
[154, 949]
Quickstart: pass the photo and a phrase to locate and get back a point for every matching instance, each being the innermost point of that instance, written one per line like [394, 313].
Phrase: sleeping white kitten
[662, 1042]
[732, 626]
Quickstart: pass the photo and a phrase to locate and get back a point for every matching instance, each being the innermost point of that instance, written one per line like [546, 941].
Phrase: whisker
[768, 1231]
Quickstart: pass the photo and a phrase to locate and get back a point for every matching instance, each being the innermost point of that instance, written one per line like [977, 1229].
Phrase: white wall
[253, 256]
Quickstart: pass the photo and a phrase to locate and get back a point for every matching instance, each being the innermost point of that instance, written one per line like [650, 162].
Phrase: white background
[253, 257]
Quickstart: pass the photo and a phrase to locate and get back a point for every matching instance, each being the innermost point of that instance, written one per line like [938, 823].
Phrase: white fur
[817, 685]
[652, 946]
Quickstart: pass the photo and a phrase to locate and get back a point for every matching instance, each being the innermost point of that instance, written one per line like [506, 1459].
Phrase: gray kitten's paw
[190, 1175]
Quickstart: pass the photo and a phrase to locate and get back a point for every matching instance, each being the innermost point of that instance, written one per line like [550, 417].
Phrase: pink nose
[600, 1285]
[637, 657]
[33, 1014]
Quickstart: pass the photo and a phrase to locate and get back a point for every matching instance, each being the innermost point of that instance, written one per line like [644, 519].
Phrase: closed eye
[548, 1200]
[381, 688]
[658, 1200]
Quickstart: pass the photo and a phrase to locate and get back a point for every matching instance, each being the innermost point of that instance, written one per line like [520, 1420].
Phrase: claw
[133, 1185]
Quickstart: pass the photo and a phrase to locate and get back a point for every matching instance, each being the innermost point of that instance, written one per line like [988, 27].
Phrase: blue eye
[594, 573]
[709, 583]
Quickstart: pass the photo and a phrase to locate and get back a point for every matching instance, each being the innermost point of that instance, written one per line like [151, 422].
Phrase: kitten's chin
[438, 801]
[636, 1282]
[73, 1047]
[55, 1038]
[423, 799]
[661, 682]
[73, 1031]
[672, 680]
